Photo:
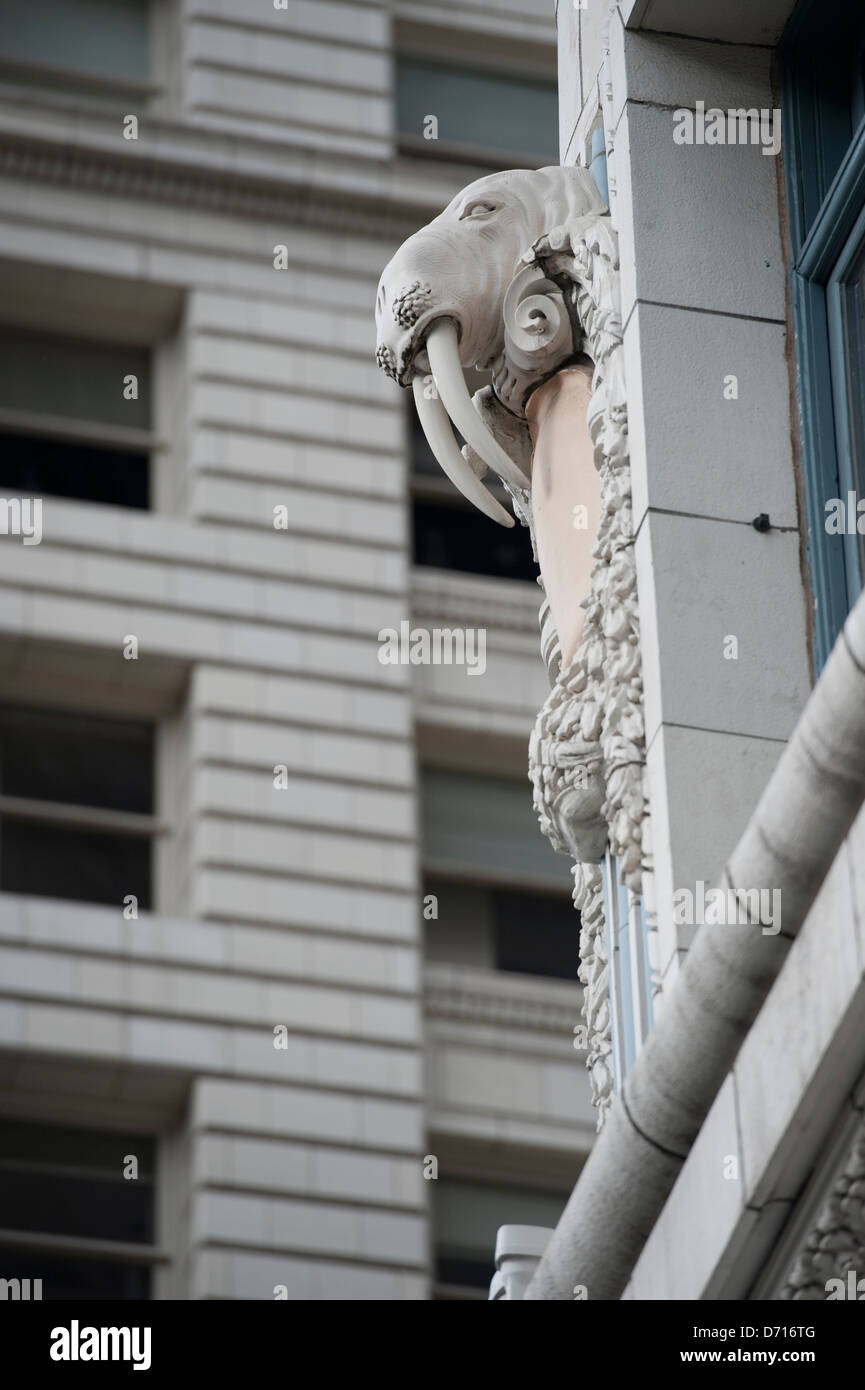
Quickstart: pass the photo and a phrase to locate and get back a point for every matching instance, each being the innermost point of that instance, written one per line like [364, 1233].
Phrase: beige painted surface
[566, 497]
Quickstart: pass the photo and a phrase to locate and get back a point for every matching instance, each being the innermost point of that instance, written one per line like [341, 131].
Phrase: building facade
[735, 160]
[288, 999]
[289, 988]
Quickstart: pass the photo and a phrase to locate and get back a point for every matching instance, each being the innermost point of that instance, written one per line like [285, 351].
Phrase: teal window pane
[852, 298]
[477, 108]
[629, 970]
[74, 378]
[503, 928]
[486, 827]
[466, 1216]
[823, 101]
[105, 37]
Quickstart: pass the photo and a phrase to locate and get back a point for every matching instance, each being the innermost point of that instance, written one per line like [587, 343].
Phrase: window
[66, 429]
[631, 952]
[447, 531]
[478, 110]
[76, 806]
[504, 896]
[106, 38]
[824, 135]
[503, 929]
[64, 1201]
[466, 1217]
[447, 534]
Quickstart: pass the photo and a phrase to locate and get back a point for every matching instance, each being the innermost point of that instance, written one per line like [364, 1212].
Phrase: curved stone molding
[520, 275]
[538, 336]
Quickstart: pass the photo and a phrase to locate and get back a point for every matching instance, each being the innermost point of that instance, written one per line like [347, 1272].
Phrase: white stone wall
[732, 1225]
[703, 298]
[318, 74]
[503, 1064]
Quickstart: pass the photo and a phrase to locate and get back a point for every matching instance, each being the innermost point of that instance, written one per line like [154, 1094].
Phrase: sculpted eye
[478, 209]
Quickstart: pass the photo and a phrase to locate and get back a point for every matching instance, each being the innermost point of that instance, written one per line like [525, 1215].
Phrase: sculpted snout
[441, 307]
[401, 304]
[433, 307]
[437, 274]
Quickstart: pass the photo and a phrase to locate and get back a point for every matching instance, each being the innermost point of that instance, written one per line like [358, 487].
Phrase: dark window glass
[88, 866]
[464, 1273]
[821, 61]
[857, 79]
[503, 929]
[70, 1147]
[79, 759]
[466, 1215]
[69, 1279]
[478, 108]
[448, 532]
[73, 378]
[536, 934]
[31, 466]
[66, 1181]
[76, 1206]
[821, 66]
[450, 537]
[53, 391]
[852, 302]
[108, 37]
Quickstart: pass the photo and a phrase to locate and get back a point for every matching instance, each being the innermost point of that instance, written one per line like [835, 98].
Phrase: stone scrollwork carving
[834, 1247]
[538, 335]
[519, 275]
[589, 738]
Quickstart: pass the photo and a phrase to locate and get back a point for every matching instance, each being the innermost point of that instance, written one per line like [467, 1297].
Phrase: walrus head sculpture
[520, 275]
[486, 284]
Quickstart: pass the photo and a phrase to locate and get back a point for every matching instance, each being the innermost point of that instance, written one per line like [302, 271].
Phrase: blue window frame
[822, 57]
[630, 974]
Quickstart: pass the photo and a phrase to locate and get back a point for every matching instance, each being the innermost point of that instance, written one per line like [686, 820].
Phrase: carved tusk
[444, 359]
[436, 427]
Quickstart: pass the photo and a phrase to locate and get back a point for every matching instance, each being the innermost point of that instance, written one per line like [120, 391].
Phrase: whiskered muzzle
[452, 405]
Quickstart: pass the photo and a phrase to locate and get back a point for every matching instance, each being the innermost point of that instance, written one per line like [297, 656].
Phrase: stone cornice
[833, 1244]
[379, 198]
[160, 180]
[476, 601]
[488, 997]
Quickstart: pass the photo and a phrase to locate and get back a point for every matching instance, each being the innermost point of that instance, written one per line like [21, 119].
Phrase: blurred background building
[288, 972]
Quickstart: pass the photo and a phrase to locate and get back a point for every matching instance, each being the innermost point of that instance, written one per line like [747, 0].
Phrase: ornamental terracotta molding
[834, 1246]
[520, 276]
[479, 997]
